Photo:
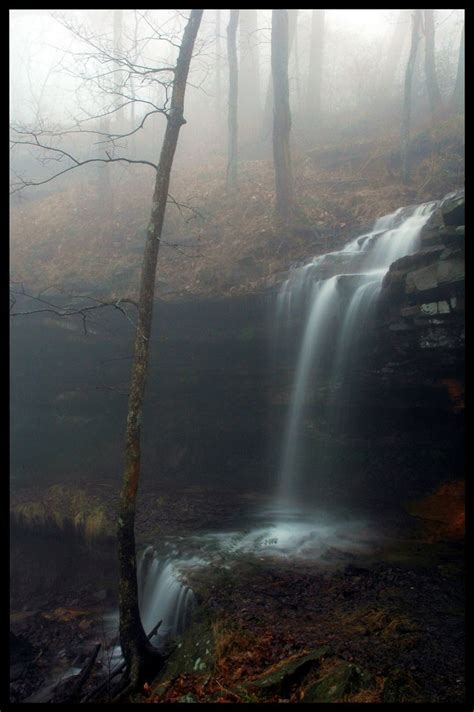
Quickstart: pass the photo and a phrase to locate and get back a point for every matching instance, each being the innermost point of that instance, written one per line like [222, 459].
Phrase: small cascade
[163, 596]
[334, 296]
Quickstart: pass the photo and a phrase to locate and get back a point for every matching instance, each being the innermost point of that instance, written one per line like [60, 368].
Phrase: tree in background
[284, 197]
[249, 75]
[105, 191]
[434, 95]
[407, 101]
[394, 53]
[315, 71]
[233, 100]
[218, 70]
[267, 109]
[457, 99]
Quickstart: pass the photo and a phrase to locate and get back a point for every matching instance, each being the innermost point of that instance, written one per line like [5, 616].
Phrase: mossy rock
[196, 644]
[343, 680]
[288, 673]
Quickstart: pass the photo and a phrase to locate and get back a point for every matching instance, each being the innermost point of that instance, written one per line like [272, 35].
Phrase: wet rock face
[421, 316]
[453, 209]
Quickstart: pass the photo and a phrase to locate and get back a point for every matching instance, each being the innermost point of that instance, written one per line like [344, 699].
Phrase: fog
[237, 355]
[61, 82]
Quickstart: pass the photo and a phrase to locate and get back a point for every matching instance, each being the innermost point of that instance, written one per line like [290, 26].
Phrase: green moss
[197, 643]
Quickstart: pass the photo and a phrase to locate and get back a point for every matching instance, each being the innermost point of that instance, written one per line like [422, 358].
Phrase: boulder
[453, 209]
[288, 672]
[343, 680]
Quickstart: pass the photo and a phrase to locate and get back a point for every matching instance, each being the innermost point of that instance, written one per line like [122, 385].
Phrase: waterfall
[334, 296]
[163, 596]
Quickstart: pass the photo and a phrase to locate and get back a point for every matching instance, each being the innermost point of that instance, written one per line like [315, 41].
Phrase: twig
[120, 668]
[84, 674]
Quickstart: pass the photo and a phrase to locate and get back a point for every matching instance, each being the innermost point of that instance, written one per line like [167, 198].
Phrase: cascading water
[334, 295]
[163, 596]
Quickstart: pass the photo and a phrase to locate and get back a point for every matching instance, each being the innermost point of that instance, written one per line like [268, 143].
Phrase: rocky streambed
[379, 622]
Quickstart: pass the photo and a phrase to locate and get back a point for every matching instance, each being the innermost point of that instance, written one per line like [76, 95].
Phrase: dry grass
[230, 641]
[232, 244]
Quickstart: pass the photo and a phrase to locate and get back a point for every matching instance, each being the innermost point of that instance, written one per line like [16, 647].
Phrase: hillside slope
[220, 243]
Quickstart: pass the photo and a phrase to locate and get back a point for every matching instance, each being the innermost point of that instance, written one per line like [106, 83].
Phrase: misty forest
[237, 356]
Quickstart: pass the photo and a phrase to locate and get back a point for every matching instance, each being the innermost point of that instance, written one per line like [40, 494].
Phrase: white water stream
[335, 311]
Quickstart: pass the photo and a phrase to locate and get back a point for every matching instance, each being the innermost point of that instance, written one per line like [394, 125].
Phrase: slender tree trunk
[406, 116]
[104, 187]
[267, 109]
[136, 51]
[118, 18]
[218, 73]
[457, 99]
[233, 99]
[399, 38]
[249, 75]
[296, 58]
[315, 72]
[137, 651]
[434, 95]
[281, 117]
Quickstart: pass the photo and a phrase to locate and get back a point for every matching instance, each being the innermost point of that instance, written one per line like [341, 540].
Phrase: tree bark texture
[281, 117]
[136, 649]
[233, 100]
[406, 115]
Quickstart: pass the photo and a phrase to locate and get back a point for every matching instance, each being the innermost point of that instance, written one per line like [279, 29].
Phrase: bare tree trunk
[406, 116]
[118, 17]
[136, 50]
[249, 75]
[281, 117]
[434, 95]
[218, 72]
[137, 651]
[315, 72]
[296, 59]
[457, 99]
[104, 187]
[233, 99]
[394, 52]
[267, 109]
